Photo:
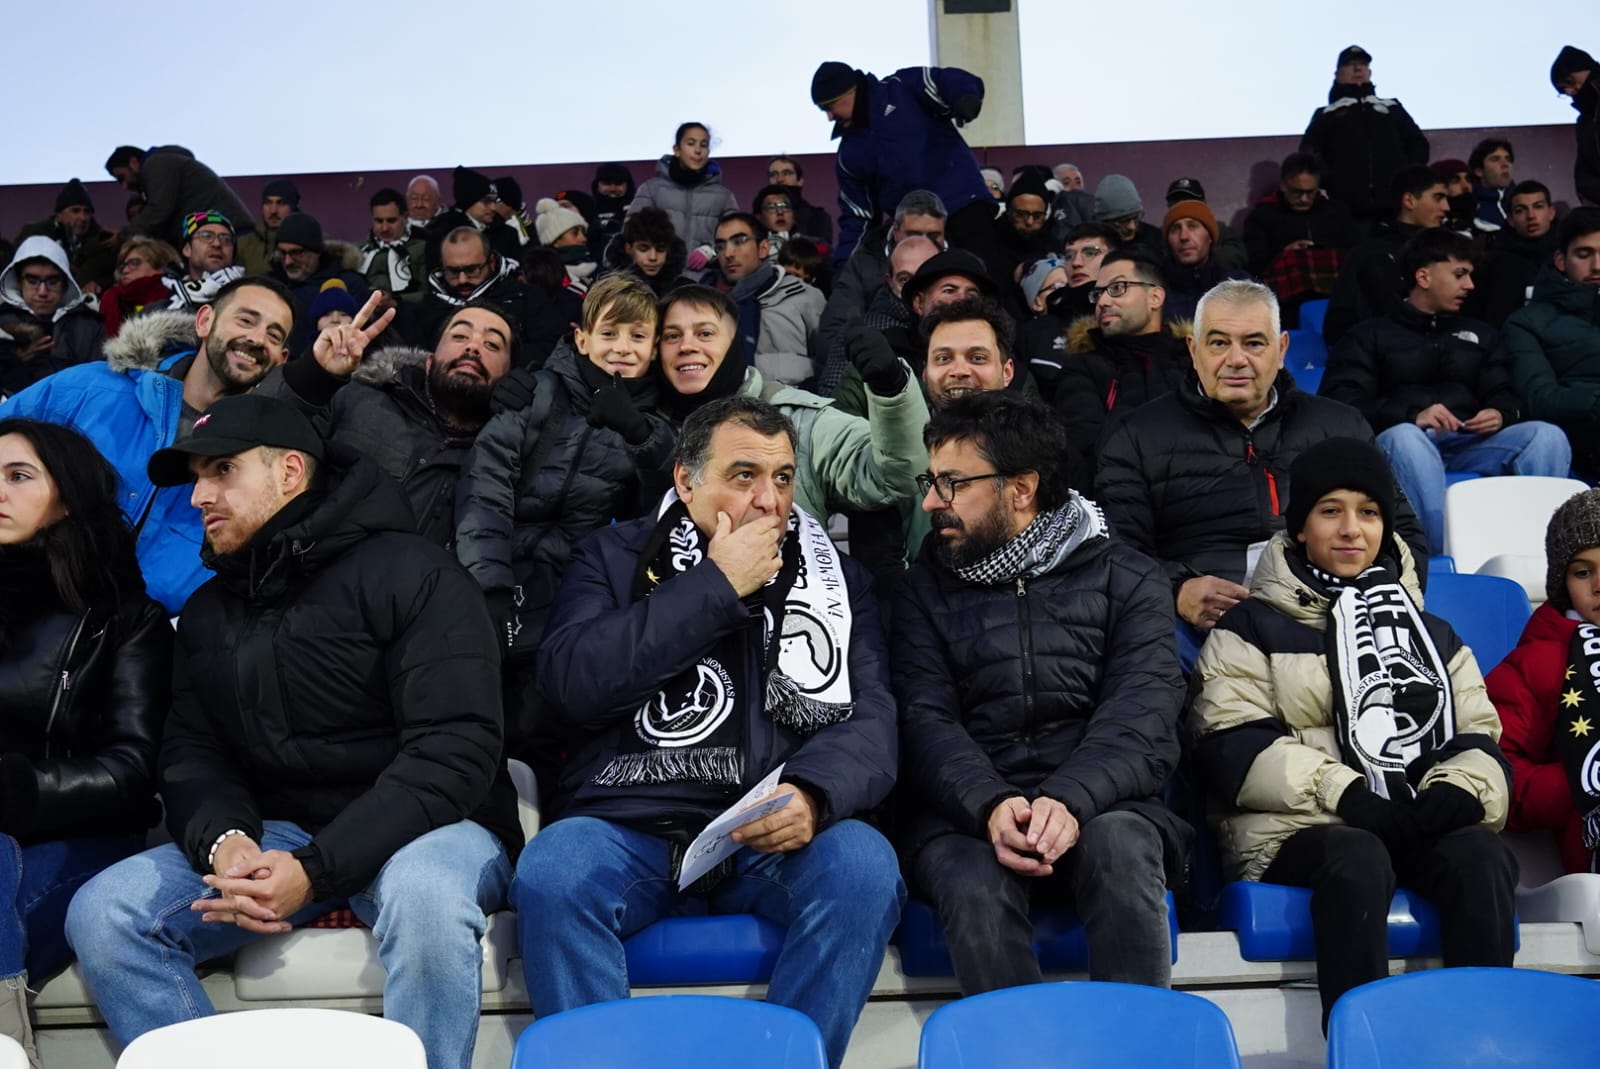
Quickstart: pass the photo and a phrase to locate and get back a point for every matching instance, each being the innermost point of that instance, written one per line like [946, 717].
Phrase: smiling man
[1197, 478]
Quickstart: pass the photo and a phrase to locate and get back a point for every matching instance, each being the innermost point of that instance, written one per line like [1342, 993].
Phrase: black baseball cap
[950, 262]
[1354, 54]
[1185, 189]
[234, 425]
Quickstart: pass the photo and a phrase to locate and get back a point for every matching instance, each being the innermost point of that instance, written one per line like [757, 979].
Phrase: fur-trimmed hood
[344, 253]
[147, 339]
[1082, 333]
[384, 366]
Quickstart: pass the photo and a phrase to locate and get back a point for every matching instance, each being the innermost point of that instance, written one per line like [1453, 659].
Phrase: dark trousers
[1469, 875]
[1113, 876]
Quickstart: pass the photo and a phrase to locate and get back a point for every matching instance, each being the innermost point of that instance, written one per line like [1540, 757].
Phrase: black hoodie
[1363, 140]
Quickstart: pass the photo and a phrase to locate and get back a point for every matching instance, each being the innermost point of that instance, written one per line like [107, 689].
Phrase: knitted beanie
[333, 297]
[1339, 464]
[1197, 210]
[73, 194]
[552, 220]
[469, 186]
[1574, 528]
[1116, 197]
[1570, 60]
[302, 229]
[832, 81]
[284, 189]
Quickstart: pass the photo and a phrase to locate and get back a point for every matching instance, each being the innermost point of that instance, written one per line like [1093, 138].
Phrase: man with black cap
[897, 134]
[303, 260]
[1362, 138]
[334, 742]
[91, 248]
[1021, 233]
[613, 191]
[476, 200]
[279, 198]
[1575, 74]
[1228, 247]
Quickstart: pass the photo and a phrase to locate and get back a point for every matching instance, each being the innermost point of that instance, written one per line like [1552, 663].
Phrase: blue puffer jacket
[902, 137]
[129, 406]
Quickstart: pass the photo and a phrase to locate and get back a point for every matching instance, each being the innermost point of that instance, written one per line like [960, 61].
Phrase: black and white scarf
[1040, 545]
[693, 729]
[1392, 699]
[399, 261]
[1577, 734]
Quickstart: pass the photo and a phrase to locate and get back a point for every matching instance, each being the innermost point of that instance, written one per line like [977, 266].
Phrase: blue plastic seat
[1467, 1019]
[1307, 378]
[731, 948]
[1306, 349]
[1312, 315]
[1453, 477]
[1058, 940]
[672, 1032]
[1079, 1026]
[1444, 564]
[1488, 612]
[1273, 922]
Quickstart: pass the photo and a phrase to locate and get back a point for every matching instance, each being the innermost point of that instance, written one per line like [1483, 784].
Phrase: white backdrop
[301, 86]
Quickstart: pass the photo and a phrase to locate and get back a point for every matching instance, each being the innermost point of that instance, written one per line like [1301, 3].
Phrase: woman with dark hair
[688, 187]
[85, 675]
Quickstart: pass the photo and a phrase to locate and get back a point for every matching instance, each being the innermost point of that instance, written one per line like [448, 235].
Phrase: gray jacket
[694, 210]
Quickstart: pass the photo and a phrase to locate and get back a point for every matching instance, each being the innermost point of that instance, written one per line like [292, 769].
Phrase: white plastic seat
[1519, 568]
[320, 1039]
[1484, 518]
[12, 1056]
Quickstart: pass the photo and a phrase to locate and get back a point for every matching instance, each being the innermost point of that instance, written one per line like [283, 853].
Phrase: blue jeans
[38, 881]
[1420, 460]
[138, 941]
[584, 885]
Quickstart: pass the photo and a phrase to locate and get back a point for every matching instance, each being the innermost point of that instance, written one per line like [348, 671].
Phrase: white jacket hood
[39, 247]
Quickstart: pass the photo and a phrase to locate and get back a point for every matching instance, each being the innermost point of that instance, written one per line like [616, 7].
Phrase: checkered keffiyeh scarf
[1041, 545]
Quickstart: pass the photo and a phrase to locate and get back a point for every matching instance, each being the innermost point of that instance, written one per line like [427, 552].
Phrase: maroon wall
[1234, 172]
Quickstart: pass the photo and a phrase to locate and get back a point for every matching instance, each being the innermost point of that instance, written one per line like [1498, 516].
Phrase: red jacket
[1526, 688]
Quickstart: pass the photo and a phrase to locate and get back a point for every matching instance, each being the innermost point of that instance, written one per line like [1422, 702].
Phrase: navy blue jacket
[604, 655]
[902, 138]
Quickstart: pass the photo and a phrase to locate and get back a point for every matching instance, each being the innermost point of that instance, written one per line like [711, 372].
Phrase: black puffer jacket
[1065, 685]
[383, 412]
[1369, 282]
[1184, 481]
[341, 673]
[1363, 139]
[84, 698]
[515, 527]
[1393, 367]
[1272, 225]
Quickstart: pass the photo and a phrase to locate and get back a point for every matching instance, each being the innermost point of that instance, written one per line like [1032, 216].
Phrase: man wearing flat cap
[1363, 139]
[334, 741]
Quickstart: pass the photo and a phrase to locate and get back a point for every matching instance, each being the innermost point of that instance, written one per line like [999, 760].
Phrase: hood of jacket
[1573, 298]
[146, 340]
[39, 247]
[1084, 337]
[1278, 583]
[387, 366]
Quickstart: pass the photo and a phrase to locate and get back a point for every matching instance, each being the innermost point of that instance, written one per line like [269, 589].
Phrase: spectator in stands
[1517, 251]
[392, 258]
[1042, 342]
[1191, 264]
[1575, 74]
[810, 219]
[910, 143]
[1457, 178]
[372, 779]
[1129, 353]
[613, 191]
[279, 199]
[163, 371]
[1020, 234]
[1554, 341]
[303, 261]
[843, 462]
[512, 210]
[422, 203]
[775, 207]
[91, 248]
[688, 186]
[778, 313]
[1306, 743]
[1296, 237]
[1435, 388]
[46, 321]
[175, 185]
[1492, 162]
[333, 306]
[1039, 279]
[476, 199]
[802, 258]
[995, 179]
[1364, 139]
[208, 258]
[971, 345]
[1117, 203]
[648, 250]
[992, 827]
[586, 451]
[470, 271]
[1369, 282]
[1196, 478]
[644, 626]
[82, 715]
[1227, 247]
[566, 233]
[1068, 175]
[891, 315]
[141, 267]
[1544, 692]
[857, 281]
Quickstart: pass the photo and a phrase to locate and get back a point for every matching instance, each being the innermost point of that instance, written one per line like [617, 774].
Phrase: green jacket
[255, 249]
[851, 395]
[1553, 343]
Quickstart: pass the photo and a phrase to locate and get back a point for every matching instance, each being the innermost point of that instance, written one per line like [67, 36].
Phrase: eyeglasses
[462, 272]
[207, 237]
[776, 206]
[132, 261]
[946, 486]
[1115, 290]
[43, 282]
[738, 241]
[295, 253]
[1029, 217]
[1083, 252]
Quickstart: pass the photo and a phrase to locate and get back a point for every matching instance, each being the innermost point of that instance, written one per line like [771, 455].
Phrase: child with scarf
[1548, 692]
[1346, 737]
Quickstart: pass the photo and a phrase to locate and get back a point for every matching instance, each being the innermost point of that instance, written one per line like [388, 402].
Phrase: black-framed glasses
[946, 485]
[463, 272]
[1116, 289]
[43, 282]
[735, 241]
[1029, 217]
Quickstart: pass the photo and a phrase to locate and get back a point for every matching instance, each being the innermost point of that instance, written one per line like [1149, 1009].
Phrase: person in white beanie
[565, 231]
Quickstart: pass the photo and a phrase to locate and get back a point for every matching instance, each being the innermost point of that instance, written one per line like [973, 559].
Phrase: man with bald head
[890, 315]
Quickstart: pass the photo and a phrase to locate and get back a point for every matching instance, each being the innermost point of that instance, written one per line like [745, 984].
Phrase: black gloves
[513, 392]
[966, 109]
[613, 408]
[1444, 807]
[1393, 822]
[872, 356]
